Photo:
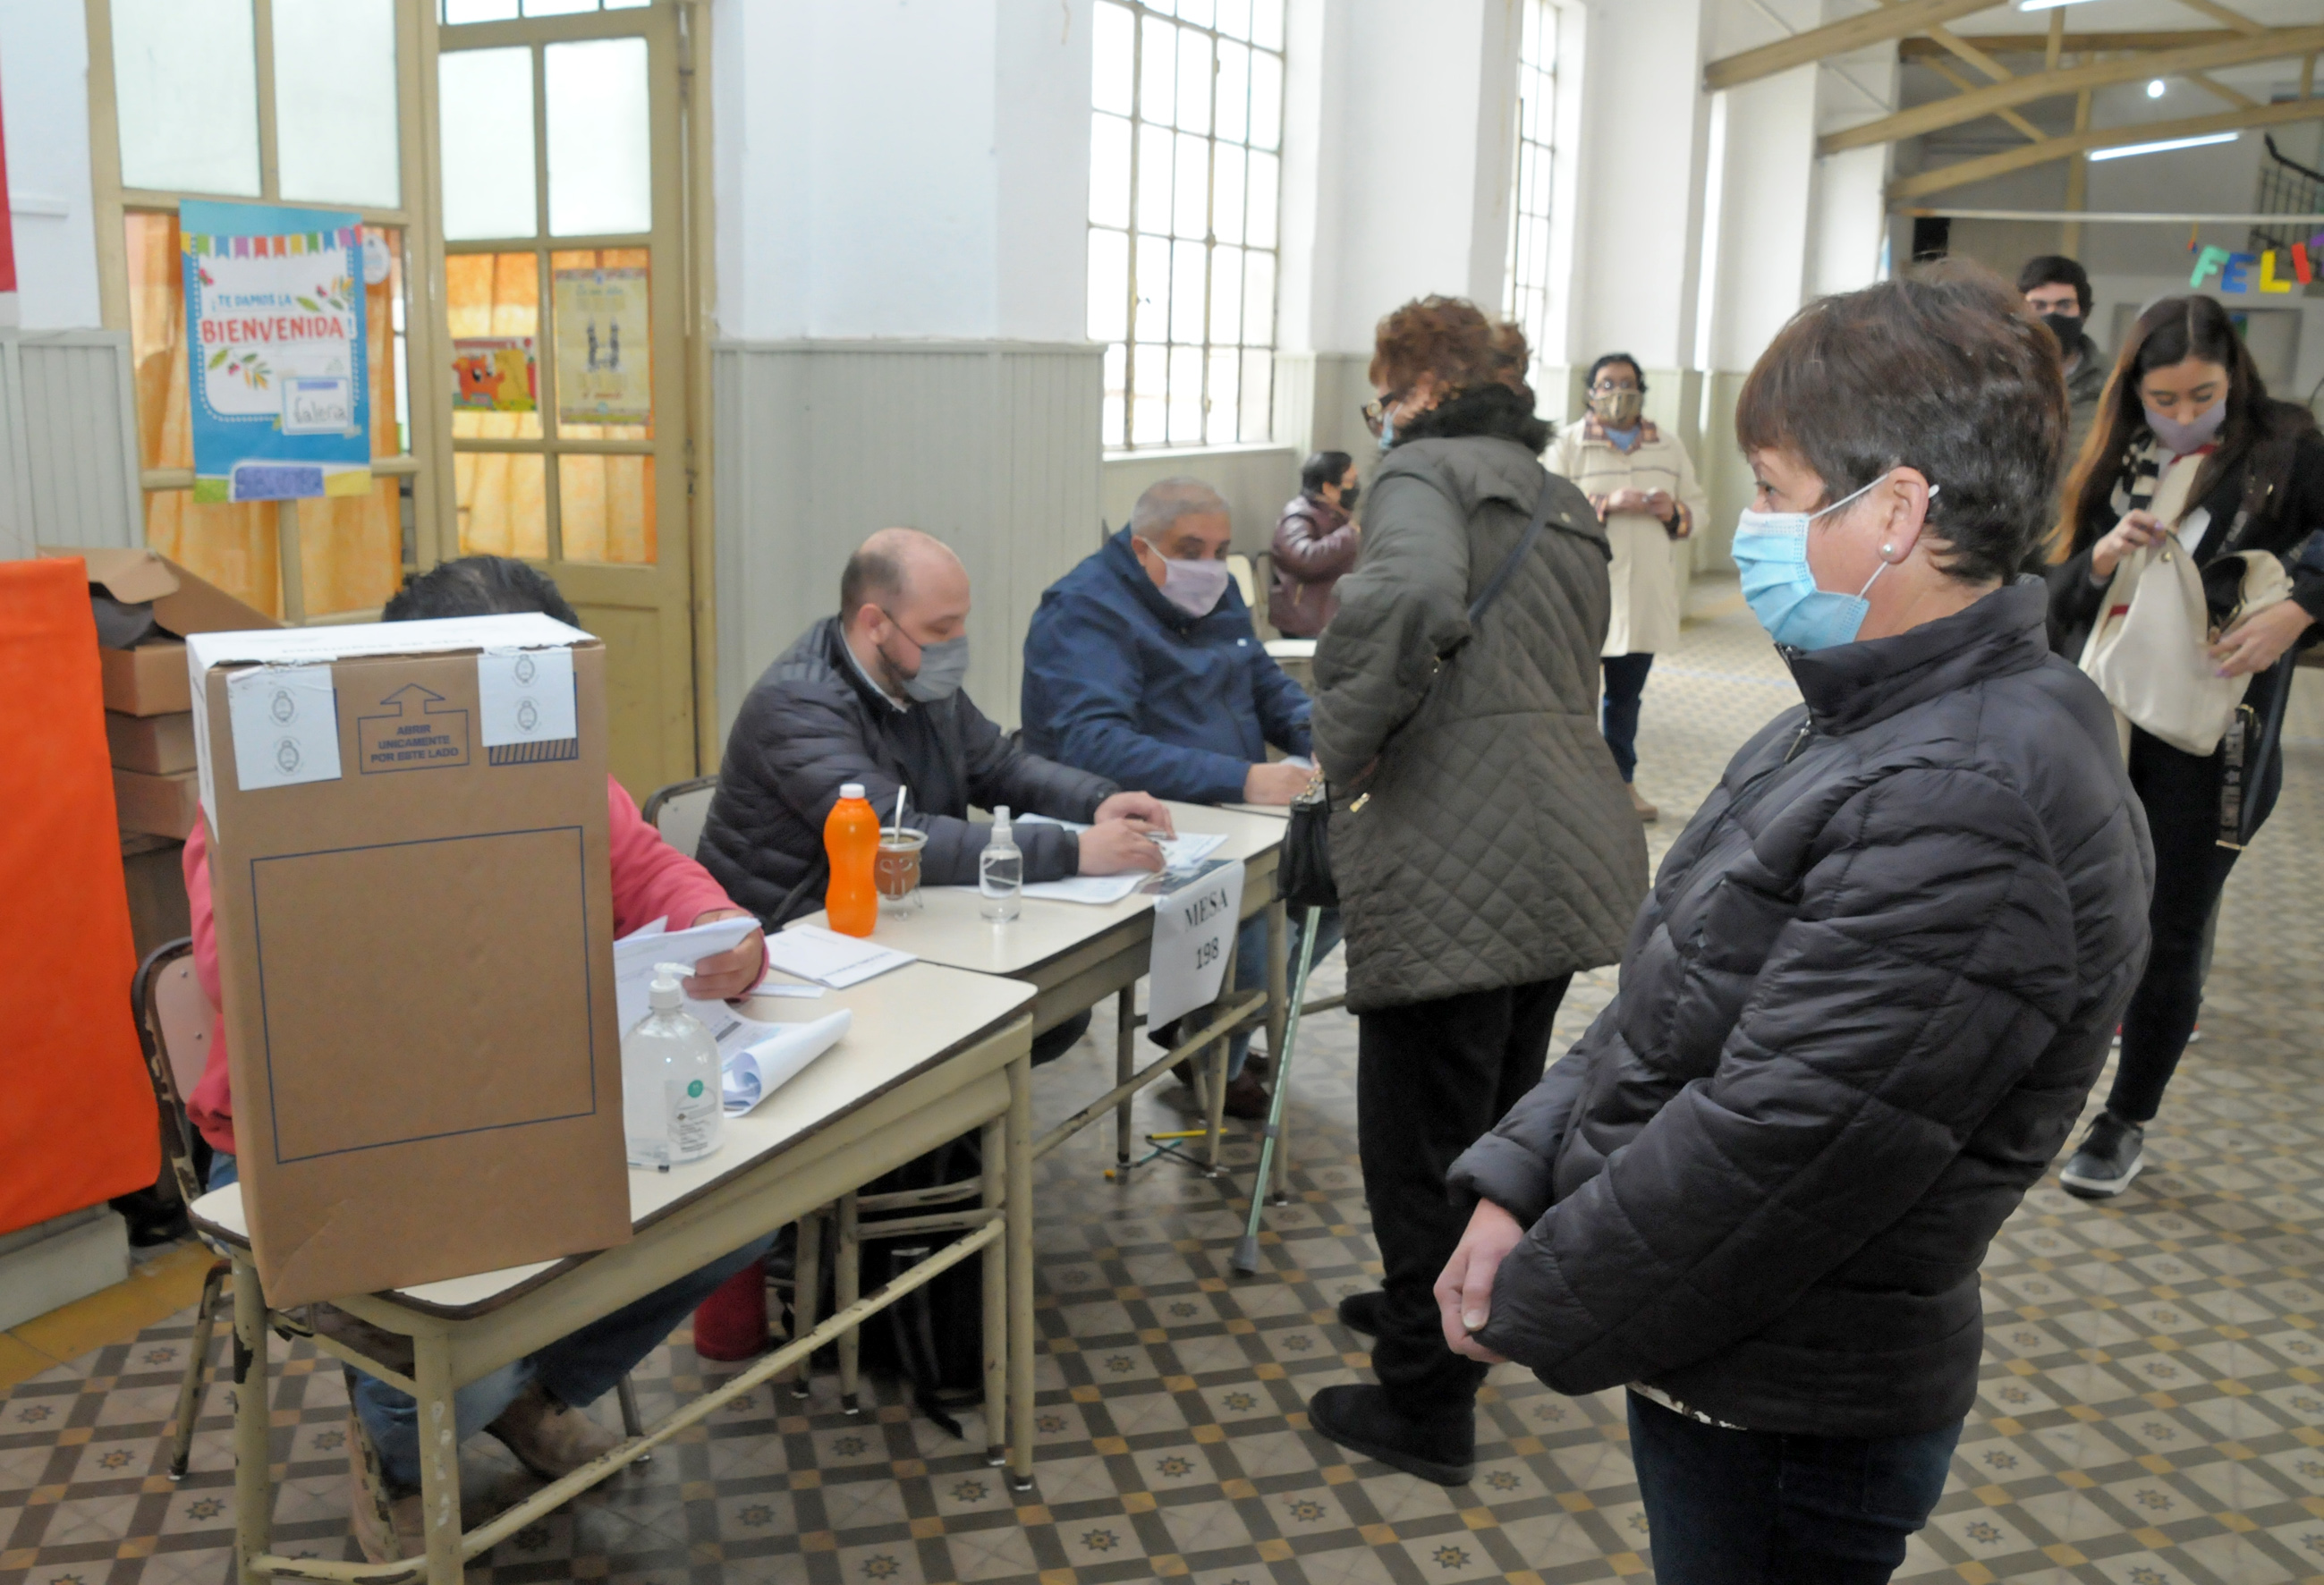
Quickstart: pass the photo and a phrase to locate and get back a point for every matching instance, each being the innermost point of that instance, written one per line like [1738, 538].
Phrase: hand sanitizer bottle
[1001, 871]
[672, 1101]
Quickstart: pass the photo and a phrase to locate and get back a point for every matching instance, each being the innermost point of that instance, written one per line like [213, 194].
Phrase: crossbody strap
[1507, 569]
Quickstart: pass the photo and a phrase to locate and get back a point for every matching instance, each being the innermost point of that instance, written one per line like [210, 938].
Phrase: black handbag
[1303, 874]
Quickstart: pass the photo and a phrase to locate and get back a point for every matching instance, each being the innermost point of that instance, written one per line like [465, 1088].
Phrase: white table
[1076, 955]
[933, 1052]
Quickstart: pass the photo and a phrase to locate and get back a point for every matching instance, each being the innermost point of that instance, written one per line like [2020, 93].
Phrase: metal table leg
[253, 1465]
[806, 1288]
[1216, 1101]
[847, 1283]
[1019, 1232]
[439, 1457]
[997, 1317]
[1125, 1062]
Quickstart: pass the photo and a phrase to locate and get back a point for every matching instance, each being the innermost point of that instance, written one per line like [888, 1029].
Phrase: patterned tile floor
[2152, 1411]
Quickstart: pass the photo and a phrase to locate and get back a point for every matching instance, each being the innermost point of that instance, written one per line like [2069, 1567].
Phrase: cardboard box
[148, 681]
[414, 912]
[150, 678]
[157, 806]
[158, 745]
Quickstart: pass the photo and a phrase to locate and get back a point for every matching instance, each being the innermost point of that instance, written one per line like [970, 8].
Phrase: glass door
[559, 128]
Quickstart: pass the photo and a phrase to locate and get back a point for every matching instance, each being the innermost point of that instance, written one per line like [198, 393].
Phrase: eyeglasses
[1375, 410]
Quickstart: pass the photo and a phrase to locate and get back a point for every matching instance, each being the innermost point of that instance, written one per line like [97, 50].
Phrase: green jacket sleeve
[1404, 606]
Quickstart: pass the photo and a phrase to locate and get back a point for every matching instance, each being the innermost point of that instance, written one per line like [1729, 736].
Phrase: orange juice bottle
[850, 836]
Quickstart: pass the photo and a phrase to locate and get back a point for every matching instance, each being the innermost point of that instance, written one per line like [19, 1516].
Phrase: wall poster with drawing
[603, 350]
[277, 387]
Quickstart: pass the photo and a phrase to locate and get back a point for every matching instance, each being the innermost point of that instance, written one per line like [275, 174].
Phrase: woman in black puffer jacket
[1870, 990]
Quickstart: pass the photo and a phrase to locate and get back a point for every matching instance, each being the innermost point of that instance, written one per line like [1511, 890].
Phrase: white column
[44, 94]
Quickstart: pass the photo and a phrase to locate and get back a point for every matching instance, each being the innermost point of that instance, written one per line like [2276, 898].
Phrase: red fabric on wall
[77, 1122]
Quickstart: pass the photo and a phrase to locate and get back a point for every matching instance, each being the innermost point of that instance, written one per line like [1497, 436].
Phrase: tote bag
[2147, 651]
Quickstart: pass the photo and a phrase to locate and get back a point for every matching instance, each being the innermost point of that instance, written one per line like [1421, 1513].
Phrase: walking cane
[1245, 1259]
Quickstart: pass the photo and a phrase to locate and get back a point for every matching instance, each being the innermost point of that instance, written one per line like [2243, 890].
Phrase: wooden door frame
[427, 307]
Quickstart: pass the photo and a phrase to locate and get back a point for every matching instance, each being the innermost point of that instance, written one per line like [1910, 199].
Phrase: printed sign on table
[1194, 931]
[604, 357]
[495, 374]
[277, 387]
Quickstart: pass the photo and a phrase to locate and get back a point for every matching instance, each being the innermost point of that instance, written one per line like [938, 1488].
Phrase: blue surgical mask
[1771, 550]
[1388, 430]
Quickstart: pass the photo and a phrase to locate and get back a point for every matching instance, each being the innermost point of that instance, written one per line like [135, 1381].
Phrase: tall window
[1525, 295]
[1185, 135]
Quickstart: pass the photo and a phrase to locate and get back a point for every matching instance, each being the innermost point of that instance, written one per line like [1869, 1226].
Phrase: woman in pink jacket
[535, 1405]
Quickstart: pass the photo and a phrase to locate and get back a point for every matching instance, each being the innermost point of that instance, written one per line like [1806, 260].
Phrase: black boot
[1361, 1419]
[1361, 1312]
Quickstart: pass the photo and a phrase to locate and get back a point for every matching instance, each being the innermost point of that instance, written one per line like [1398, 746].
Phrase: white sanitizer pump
[672, 1098]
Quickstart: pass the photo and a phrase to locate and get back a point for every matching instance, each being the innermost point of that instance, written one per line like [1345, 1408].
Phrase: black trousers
[2181, 792]
[1430, 1077]
[1625, 681]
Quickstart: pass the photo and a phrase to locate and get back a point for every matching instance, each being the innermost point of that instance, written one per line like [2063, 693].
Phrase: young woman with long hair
[2184, 394]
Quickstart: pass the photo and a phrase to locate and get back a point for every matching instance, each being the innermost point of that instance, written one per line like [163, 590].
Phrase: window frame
[428, 463]
[1124, 440]
[1533, 305]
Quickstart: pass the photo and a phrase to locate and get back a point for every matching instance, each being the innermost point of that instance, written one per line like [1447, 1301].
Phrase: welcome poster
[280, 398]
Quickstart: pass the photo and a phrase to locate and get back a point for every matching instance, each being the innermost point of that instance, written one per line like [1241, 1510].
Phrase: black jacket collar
[1849, 686]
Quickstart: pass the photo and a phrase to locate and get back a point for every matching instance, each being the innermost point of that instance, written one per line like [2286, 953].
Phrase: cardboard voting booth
[414, 912]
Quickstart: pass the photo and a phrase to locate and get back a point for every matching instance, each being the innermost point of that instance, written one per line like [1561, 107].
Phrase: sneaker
[1364, 1311]
[547, 1438]
[2110, 1155]
[1644, 810]
[1359, 1418]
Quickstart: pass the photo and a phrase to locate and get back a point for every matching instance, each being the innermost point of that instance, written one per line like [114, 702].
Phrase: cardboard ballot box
[414, 912]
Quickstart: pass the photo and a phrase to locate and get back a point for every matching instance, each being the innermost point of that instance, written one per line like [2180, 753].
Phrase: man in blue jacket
[1141, 666]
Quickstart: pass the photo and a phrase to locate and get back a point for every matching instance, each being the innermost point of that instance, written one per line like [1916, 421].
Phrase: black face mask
[1348, 497]
[2066, 327]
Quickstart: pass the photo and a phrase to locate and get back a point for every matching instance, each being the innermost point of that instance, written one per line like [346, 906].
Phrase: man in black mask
[2058, 289]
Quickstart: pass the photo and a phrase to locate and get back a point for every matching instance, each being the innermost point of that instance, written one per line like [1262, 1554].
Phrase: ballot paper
[763, 1067]
[829, 958]
[770, 986]
[636, 953]
[1183, 852]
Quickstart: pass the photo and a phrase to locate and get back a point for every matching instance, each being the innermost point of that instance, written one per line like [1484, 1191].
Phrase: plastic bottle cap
[665, 993]
[852, 789]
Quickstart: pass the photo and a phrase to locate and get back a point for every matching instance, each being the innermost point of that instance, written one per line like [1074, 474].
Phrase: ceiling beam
[2273, 44]
[1964, 171]
[2235, 20]
[1961, 80]
[1918, 49]
[2212, 85]
[1994, 70]
[1855, 32]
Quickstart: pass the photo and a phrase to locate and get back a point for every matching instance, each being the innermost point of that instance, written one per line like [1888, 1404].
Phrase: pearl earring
[1887, 552]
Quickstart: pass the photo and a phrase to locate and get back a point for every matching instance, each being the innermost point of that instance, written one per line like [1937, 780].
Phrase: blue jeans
[576, 1370]
[1625, 681]
[1250, 963]
[1758, 1507]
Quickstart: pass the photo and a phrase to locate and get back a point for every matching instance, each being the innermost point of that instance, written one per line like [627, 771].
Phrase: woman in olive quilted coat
[1483, 844]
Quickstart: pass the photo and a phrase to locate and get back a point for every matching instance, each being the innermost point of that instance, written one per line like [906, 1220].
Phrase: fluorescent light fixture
[2047, 5]
[2155, 88]
[2127, 150]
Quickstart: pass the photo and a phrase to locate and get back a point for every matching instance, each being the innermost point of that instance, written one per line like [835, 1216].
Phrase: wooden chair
[678, 810]
[173, 1026]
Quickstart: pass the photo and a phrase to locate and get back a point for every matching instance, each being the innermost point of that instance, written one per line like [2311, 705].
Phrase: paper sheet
[812, 952]
[1183, 852]
[635, 956]
[763, 1067]
[286, 725]
[770, 986]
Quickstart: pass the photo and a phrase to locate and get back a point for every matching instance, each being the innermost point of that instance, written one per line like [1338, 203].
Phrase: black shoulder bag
[2253, 736]
[1304, 877]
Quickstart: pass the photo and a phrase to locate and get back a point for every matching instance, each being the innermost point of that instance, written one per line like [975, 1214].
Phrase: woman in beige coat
[1643, 485]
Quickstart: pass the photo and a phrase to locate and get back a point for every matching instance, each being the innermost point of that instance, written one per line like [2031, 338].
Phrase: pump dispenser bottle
[672, 1101]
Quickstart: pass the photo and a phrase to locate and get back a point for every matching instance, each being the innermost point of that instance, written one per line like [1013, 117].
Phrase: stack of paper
[636, 953]
[761, 1068]
[812, 952]
[1180, 852]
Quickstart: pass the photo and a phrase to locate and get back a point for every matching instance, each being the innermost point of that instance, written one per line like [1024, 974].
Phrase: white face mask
[1196, 586]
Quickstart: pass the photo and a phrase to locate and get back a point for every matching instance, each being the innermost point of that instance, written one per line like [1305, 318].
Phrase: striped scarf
[2135, 482]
